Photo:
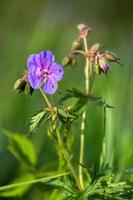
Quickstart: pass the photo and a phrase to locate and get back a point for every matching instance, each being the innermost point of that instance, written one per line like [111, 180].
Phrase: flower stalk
[82, 135]
[45, 98]
[63, 151]
[81, 157]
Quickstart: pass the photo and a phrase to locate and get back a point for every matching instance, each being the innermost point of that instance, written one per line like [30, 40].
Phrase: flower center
[43, 73]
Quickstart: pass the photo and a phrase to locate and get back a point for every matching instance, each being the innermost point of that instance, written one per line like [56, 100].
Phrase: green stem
[87, 69]
[81, 158]
[33, 181]
[82, 135]
[92, 80]
[68, 161]
[45, 98]
[79, 52]
[103, 156]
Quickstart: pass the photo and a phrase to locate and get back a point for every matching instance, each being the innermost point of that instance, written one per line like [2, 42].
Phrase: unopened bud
[66, 61]
[96, 47]
[103, 65]
[97, 69]
[84, 30]
[19, 85]
[76, 45]
[111, 56]
[73, 62]
[22, 85]
[69, 60]
[28, 89]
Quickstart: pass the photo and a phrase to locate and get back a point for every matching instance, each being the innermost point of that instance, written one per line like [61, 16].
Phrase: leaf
[61, 185]
[99, 101]
[22, 148]
[66, 184]
[19, 190]
[37, 119]
[66, 117]
[74, 93]
[83, 99]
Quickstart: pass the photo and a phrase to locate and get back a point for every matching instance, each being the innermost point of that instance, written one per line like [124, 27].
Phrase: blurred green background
[30, 26]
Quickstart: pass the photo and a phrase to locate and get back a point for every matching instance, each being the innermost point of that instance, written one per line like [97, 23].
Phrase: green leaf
[74, 93]
[22, 148]
[99, 101]
[37, 119]
[83, 99]
[19, 190]
[66, 117]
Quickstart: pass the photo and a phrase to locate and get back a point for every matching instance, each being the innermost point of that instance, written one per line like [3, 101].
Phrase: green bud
[66, 61]
[111, 56]
[19, 85]
[97, 69]
[69, 60]
[28, 89]
[73, 62]
[76, 45]
[96, 47]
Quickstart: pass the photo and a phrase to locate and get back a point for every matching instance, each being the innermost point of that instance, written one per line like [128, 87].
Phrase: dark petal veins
[57, 71]
[46, 56]
[36, 64]
[50, 86]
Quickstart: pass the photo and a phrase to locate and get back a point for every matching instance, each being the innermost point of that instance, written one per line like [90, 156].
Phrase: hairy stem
[45, 98]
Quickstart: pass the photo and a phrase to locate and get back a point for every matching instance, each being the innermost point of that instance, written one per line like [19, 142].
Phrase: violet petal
[50, 86]
[46, 56]
[57, 71]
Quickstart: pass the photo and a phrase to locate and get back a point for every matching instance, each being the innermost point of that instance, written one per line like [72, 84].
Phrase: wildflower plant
[72, 181]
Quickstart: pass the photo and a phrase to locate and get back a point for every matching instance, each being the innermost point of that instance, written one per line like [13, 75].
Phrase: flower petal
[106, 68]
[35, 60]
[57, 71]
[50, 86]
[34, 74]
[46, 56]
[34, 80]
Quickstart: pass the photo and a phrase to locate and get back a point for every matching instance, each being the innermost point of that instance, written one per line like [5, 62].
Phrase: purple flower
[44, 72]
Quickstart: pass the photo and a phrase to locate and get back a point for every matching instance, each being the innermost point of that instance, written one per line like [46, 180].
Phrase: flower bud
[76, 45]
[66, 61]
[96, 47]
[84, 30]
[73, 62]
[19, 85]
[103, 65]
[111, 56]
[69, 60]
[28, 89]
[22, 85]
[97, 69]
